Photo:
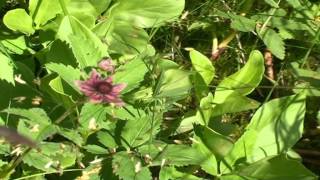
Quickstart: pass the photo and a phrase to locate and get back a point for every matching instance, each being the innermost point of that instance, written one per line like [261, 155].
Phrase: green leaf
[107, 139]
[279, 167]
[274, 129]
[6, 69]
[242, 23]
[139, 130]
[86, 46]
[273, 41]
[245, 80]
[171, 154]
[35, 114]
[129, 75]
[13, 20]
[71, 134]
[124, 38]
[218, 144]
[52, 157]
[272, 3]
[67, 73]
[174, 83]
[233, 103]
[95, 149]
[16, 45]
[147, 13]
[169, 173]
[202, 65]
[128, 167]
[42, 11]
[93, 116]
[208, 160]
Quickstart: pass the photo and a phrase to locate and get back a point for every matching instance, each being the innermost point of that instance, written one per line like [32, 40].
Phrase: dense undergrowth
[160, 89]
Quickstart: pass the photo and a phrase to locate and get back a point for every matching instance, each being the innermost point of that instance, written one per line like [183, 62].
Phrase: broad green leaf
[132, 73]
[99, 5]
[278, 167]
[274, 129]
[124, 38]
[139, 130]
[202, 65]
[59, 52]
[233, 103]
[63, 88]
[174, 83]
[169, 173]
[18, 20]
[86, 46]
[202, 116]
[245, 80]
[128, 167]
[42, 11]
[67, 73]
[273, 41]
[52, 156]
[6, 69]
[208, 160]
[147, 13]
[218, 144]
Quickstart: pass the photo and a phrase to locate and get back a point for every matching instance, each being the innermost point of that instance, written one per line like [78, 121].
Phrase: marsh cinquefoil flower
[106, 65]
[101, 90]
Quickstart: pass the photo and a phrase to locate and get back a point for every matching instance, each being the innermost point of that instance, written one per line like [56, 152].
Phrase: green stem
[64, 7]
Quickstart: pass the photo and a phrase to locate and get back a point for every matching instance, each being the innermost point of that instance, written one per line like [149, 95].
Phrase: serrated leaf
[171, 154]
[139, 130]
[242, 23]
[86, 46]
[6, 69]
[127, 167]
[13, 18]
[52, 157]
[67, 73]
[147, 13]
[34, 114]
[202, 65]
[16, 45]
[93, 116]
[95, 149]
[107, 139]
[273, 41]
[129, 75]
[36, 131]
[71, 135]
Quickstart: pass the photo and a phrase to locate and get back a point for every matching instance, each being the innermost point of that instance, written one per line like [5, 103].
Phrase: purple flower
[101, 90]
[106, 65]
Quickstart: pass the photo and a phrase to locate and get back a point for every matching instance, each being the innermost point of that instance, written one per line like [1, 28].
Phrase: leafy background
[215, 89]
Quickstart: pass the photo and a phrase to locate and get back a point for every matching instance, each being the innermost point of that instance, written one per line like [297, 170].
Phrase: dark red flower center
[104, 87]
